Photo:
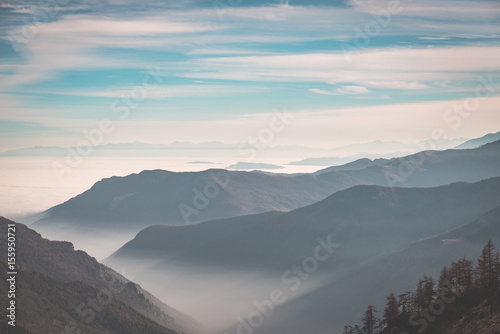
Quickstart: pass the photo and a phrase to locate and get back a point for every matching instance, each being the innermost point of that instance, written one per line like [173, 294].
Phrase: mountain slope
[161, 197]
[397, 272]
[355, 165]
[46, 305]
[433, 168]
[384, 218]
[477, 142]
[59, 261]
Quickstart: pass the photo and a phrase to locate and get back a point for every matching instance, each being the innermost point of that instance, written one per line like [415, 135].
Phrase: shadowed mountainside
[46, 305]
[59, 261]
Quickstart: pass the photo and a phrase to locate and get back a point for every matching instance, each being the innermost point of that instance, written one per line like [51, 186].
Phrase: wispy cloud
[395, 68]
[399, 85]
[320, 91]
[352, 90]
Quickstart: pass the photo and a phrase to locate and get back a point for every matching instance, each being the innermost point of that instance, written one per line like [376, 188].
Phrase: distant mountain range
[377, 149]
[253, 165]
[162, 197]
[431, 168]
[140, 149]
[476, 142]
[354, 165]
[336, 161]
[343, 154]
[377, 235]
[54, 281]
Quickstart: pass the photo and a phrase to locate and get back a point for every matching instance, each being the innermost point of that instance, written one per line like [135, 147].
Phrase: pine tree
[463, 272]
[444, 283]
[391, 311]
[425, 293]
[370, 321]
[488, 267]
[418, 298]
[429, 292]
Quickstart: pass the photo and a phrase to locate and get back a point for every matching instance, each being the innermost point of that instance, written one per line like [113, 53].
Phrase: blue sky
[349, 71]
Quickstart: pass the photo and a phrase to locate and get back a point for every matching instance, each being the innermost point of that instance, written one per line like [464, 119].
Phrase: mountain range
[371, 229]
[477, 142]
[162, 197]
[218, 244]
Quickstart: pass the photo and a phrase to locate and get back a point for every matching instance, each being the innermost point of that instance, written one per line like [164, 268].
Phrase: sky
[319, 74]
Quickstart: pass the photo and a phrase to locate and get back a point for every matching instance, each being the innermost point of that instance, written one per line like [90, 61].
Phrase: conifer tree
[425, 293]
[444, 282]
[462, 275]
[488, 267]
[370, 321]
[391, 311]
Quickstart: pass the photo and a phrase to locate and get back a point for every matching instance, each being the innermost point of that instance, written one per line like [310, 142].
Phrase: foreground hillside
[56, 277]
[46, 305]
[465, 300]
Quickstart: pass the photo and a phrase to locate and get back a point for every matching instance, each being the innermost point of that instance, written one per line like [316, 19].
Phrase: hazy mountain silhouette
[376, 149]
[253, 165]
[477, 142]
[433, 168]
[335, 161]
[355, 165]
[162, 197]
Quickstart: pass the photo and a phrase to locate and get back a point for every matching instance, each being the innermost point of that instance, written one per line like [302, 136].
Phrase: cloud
[403, 85]
[225, 51]
[85, 25]
[168, 92]
[444, 10]
[320, 91]
[392, 68]
[352, 90]
[434, 38]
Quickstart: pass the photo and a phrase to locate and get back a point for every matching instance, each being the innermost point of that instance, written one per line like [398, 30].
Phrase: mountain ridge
[177, 198]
